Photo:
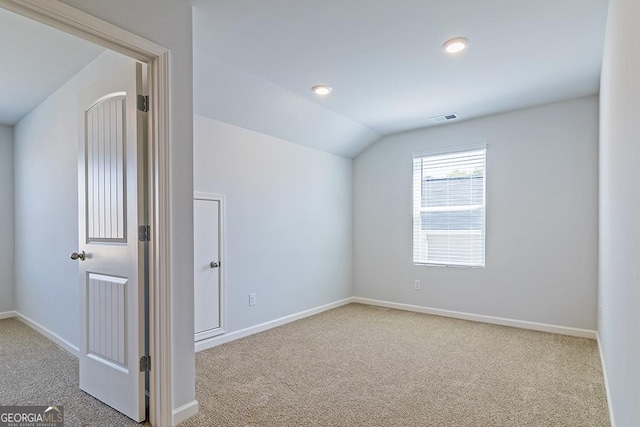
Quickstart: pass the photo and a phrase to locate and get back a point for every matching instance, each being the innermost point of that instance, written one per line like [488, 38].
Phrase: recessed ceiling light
[321, 89]
[455, 45]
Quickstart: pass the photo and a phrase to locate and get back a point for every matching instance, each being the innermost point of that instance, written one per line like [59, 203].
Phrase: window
[449, 208]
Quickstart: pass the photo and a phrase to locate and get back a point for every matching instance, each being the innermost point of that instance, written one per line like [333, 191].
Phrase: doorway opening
[73, 21]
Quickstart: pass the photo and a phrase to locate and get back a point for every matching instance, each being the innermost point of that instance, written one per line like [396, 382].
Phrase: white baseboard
[201, 336]
[180, 414]
[74, 350]
[184, 412]
[523, 324]
[7, 314]
[606, 381]
[221, 339]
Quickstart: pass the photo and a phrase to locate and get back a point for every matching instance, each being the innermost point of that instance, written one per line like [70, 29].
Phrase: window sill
[433, 264]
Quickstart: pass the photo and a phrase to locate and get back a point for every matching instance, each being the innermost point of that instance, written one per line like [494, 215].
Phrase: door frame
[222, 255]
[81, 24]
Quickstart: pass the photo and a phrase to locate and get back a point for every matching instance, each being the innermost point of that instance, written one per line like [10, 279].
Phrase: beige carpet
[365, 366]
[35, 371]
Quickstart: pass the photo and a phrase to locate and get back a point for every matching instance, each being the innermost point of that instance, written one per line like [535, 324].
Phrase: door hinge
[145, 363]
[143, 103]
[144, 233]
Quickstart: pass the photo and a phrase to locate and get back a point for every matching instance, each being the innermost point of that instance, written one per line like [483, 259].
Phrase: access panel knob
[81, 256]
[214, 264]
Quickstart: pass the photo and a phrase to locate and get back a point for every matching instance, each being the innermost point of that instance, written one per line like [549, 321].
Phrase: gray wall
[619, 282]
[289, 220]
[6, 220]
[168, 23]
[542, 202]
[46, 203]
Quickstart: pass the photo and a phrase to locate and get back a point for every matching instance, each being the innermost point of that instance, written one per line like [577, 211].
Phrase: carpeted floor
[366, 366]
[35, 371]
[352, 366]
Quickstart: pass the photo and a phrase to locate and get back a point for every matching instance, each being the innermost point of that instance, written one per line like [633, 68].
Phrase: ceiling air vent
[445, 118]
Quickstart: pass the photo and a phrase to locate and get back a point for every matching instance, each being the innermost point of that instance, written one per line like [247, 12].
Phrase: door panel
[112, 274]
[106, 174]
[206, 226]
[107, 325]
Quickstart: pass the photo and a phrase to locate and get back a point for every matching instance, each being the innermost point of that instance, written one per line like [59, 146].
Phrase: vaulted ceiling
[255, 62]
[36, 60]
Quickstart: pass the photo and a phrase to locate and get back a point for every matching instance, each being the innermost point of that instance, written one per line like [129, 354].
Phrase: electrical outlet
[252, 299]
[599, 312]
[416, 285]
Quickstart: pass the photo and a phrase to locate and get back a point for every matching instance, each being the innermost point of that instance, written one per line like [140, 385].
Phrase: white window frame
[417, 208]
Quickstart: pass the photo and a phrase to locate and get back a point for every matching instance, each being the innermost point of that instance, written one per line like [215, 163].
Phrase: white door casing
[74, 21]
[209, 264]
[111, 206]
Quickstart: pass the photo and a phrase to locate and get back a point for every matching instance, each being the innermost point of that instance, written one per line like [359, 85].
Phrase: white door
[110, 256]
[207, 226]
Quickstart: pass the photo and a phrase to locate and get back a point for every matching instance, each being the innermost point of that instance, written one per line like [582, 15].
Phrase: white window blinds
[449, 208]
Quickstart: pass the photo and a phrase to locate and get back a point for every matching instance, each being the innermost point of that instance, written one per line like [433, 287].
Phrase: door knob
[81, 256]
[214, 264]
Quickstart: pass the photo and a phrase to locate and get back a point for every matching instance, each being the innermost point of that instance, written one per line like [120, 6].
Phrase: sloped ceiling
[36, 60]
[256, 61]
